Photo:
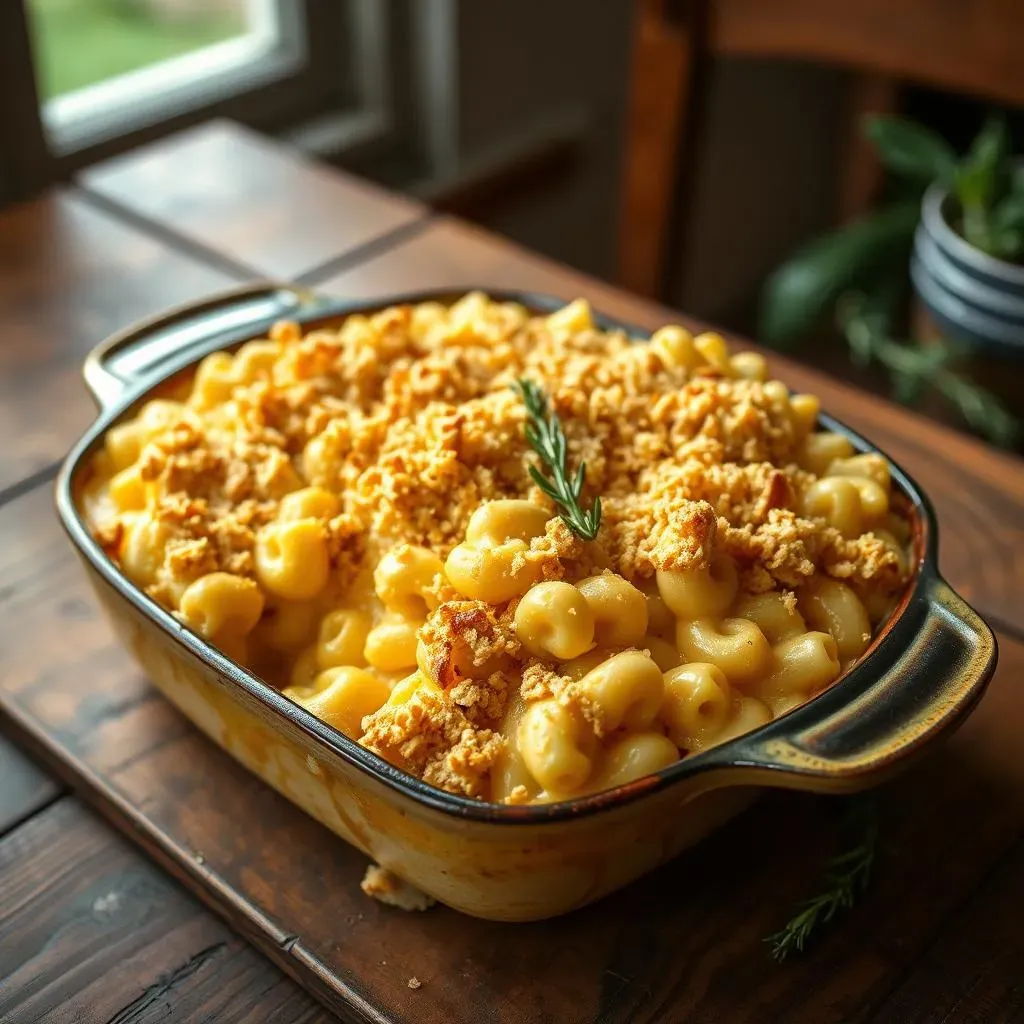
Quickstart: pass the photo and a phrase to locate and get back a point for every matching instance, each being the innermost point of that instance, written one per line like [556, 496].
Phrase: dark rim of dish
[858, 679]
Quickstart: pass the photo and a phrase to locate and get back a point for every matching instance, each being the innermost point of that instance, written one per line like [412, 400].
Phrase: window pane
[79, 43]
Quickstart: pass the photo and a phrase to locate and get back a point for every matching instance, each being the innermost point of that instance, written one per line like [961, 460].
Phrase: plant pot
[970, 300]
[992, 373]
[975, 300]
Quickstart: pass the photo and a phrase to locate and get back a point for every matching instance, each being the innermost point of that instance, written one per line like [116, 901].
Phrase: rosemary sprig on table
[847, 876]
[544, 432]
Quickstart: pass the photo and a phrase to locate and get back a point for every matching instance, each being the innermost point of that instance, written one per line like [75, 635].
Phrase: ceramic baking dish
[921, 676]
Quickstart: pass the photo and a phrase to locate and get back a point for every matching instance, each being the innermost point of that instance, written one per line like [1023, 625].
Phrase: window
[81, 80]
[103, 64]
[81, 43]
[106, 67]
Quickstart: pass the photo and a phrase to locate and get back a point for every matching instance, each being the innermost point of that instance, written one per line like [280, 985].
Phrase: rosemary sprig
[846, 877]
[544, 432]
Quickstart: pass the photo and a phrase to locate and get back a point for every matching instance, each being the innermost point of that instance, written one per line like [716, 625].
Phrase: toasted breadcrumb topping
[416, 430]
[434, 738]
[407, 416]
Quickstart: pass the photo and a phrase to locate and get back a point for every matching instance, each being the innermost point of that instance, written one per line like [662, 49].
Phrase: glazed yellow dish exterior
[507, 872]
[350, 514]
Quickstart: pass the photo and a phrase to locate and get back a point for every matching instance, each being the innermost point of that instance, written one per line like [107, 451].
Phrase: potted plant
[955, 228]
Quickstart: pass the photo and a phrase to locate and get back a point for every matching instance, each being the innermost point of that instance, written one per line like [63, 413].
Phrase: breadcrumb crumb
[388, 888]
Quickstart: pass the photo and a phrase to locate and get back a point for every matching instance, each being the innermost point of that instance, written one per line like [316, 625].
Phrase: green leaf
[975, 227]
[911, 369]
[906, 388]
[982, 179]
[800, 292]
[1007, 226]
[848, 875]
[1008, 245]
[910, 150]
[883, 298]
[984, 176]
[989, 154]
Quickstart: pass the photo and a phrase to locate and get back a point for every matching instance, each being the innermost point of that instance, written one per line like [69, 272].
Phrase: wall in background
[766, 160]
[493, 81]
[529, 70]
[766, 181]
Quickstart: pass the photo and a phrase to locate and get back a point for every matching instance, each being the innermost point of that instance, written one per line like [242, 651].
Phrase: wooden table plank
[24, 789]
[247, 199]
[974, 971]
[89, 930]
[979, 493]
[69, 276]
[669, 947]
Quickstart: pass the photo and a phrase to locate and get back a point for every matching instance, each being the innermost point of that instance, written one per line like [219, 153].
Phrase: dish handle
[138, 352]
[923, 678]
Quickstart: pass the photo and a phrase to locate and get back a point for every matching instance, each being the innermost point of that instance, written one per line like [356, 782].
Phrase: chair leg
[660, 86]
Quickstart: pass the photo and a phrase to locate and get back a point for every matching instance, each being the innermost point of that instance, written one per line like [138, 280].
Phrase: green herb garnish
[846, 878]
[546, 437]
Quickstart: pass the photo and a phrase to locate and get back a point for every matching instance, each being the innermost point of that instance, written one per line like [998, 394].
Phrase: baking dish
[923, 673]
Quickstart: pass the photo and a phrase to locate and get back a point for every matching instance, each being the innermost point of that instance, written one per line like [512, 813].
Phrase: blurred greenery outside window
[110, 71]
[87, 80]
[80, 43]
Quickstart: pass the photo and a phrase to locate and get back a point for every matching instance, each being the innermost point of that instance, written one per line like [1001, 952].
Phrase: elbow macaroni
[493, 573]
[350, 513]
[556, 747]
[833, 608]
[633, 756]
[697, 705]
[705, 591]
[391, 645]
[342, 697]
[736, 646]
[619, 610]
[403, 579]
[220, 605]
[626, 690]
[292, 560]
[343, 638]
[554, 621]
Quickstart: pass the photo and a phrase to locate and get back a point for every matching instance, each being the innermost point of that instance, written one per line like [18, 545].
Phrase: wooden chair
[970, 46]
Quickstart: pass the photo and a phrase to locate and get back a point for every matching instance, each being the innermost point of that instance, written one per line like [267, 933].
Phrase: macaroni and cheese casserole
[351, 514]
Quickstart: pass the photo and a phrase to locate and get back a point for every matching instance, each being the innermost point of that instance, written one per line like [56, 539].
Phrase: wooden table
[142, 912]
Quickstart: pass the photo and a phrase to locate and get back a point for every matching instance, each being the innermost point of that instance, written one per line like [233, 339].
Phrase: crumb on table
[382, 885]
[414, 982]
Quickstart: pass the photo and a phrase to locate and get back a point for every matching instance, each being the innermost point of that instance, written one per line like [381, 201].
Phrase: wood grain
[978, 493]
[683, 944]
[959, 47]
[69, 276]
[24, 789]
[861, 174]
[973, 973]
[660, 82]
[241, 197]
[89, 930]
